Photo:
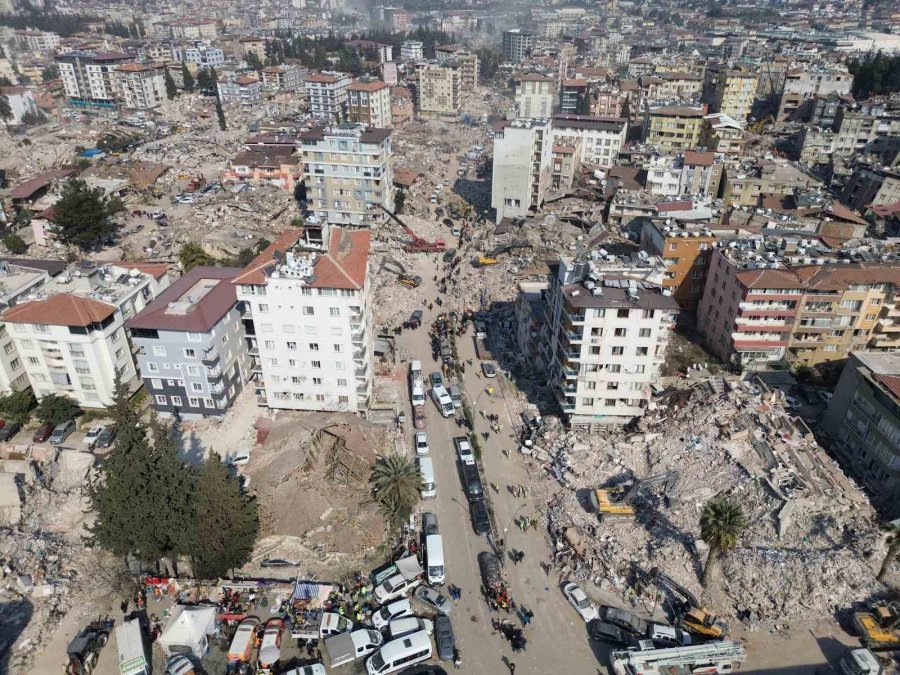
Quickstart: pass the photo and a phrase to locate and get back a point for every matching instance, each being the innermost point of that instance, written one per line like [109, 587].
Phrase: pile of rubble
[812, 543]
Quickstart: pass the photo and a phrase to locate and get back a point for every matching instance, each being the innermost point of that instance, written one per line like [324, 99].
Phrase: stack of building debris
[812, 543]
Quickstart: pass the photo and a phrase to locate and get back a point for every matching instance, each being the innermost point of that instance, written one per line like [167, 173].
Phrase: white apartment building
[142, 86]
[412, 50]
[21, 102]
[535, 95]
[369, 103]
[283, 78]
[601, 137]
[38, 41]
[311, 332]
[201, 56]
[327, 95]
[90, 78]
[70, 335]
[348, 171]
[439, 89]
[664, 176]
[602, 327]
[244, 90]
[194, 29]
[523, 154]
[517, 45]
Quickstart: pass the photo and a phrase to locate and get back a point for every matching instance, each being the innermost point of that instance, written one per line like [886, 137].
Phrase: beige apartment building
[671, 128]
[732, 92]
[439, 89]
[142, 86]
[369, 103]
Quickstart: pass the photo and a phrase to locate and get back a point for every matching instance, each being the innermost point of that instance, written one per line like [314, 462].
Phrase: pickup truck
[316, 625]
[348, 647]
[482, 351]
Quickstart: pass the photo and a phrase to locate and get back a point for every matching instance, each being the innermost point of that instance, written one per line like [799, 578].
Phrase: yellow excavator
[690, 616]
[614, 504]
[493, 257]
[396, 267]
[878, 628]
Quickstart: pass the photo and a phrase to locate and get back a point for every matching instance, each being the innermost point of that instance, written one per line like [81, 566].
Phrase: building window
[334, 311]
[317, 381]
[263, 308]
[316, 364]
[160, 399]
[193, 370]
[156, 383]
[308, 311]
[640, 369]
[870, 317]
[195, 337]
[159, 351]
[341, 382]
[190, 353]
[193, 402]
[120, 353]
[273, 362]
[41, 328]
[152, 367]
[338, 347]
[644, 332]
[196, 386]
[269, 344]
[622, 313]
[621, 332]
[643, 351]
[209, 403]
[176, 400]
[313, 346]
[33, 360]
[618, 351]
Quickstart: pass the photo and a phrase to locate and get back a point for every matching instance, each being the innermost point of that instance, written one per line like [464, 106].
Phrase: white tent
[186, 631]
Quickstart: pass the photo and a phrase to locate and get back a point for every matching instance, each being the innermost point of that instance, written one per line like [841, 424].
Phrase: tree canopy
[55, 409]
[396, 482]
[83, 214]
[875, 75]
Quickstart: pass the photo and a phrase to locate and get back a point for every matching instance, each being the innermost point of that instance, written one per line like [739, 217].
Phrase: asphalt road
[557, 639]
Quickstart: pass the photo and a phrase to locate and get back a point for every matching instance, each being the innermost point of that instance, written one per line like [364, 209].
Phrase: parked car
[437, 380]
[61, 432]
[624, 620]
[279, 562]
[464, 449]
[663, 636]
[489, 369]
[390, 612]
[607, 632]
[429, 523]
[580, 601]
[449, 255]
[90, 438]
[421, 442]
[42, 434]
[105, 439]
[413, 624]
[9, 430]
[443, 637]
[431, 597]
[480, 329]
[471, 480]
[395, 587]
[179, 664]
[240, 458]
[415, 319]
[481, 519]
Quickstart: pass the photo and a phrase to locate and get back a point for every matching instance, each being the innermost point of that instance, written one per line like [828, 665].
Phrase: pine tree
[223, 125]
[224, 522]
[5, 109]
[171, 89]
[187, 78]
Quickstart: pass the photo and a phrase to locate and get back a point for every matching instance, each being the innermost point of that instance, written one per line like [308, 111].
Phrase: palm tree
[396, 483]
[890, 556]
[721, 525]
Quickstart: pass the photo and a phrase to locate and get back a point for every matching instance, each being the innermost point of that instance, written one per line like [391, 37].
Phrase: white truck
[719, 658]
[317, 625]
[416, 384]
[131, 649]
[443, 401]
[860, 662]
[348, 647]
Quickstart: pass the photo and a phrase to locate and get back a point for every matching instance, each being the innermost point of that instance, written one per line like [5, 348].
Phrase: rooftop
[677, 111]
[614, 124]
[196, 302]
[62, 309]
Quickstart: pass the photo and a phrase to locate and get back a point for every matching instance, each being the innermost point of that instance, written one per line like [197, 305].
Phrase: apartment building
[862, 131]
[201, 56]
[701, 174]
[805, 315]
[745, 187]
[142, 86]
[191, 347]
[242, 90]
[194, 29]
[38, 41]
[70, 335]
[574, 97]
[369, 103]
[731, 92]
[871, 185]
[438, 91]
[566, 161]
[673, 128]
[348, 173]
[535, 95]
[518, 45]
[327, 95]
[396, 19]
[675, 86]
[278, 166]
[663, 175]
[283, 78]
[21, 102]
[523, 152]
[468, 64]
[90, 78]
[253, 45]
[863, 421]
[601, 138]
[412, 51]
[309, 320]
[800, 85]
[602, 327]
[686, 252]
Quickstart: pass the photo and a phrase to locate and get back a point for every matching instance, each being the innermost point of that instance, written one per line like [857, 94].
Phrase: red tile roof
[698, 158]
[564, 149]
[368, 86]
[531, 77]
[889, 382]
[841, 212]
[32, 185]
[201, 316]
[344, 265]
[62, 309]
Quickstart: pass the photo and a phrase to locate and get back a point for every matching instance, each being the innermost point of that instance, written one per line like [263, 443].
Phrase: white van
[399, 628]
[434, 559]
[399, 654]
[418, 394]
[426, 468]
[132, 651]
[415, 371]
[443, 401]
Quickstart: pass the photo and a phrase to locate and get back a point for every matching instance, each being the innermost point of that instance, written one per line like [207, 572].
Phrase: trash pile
[811, 545]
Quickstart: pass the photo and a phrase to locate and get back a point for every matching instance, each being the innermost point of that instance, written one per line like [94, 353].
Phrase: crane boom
[417, 243]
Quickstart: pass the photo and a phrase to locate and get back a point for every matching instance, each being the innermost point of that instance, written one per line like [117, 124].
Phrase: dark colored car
[443, 637]
[105, 439]
[43, 433]
[9, 430]
[624, 620]
[279, 562]
[607, 632]
[415, 320]
[471, 481]
[449, 255]
[481, 519]
[429, 523]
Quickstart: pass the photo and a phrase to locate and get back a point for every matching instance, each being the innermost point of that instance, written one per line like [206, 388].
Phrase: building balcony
[885, 325]
[753, 322]
[764, 327]
[754, 307]
[212, 362]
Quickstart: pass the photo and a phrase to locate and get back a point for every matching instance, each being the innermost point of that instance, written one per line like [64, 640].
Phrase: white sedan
[90, 438]
[391, 612]
[421, 443]
[581, 602]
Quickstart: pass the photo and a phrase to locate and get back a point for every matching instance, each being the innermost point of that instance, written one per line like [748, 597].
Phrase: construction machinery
[417, 245]
[711, 657]
[84, 649]
[688, 612]
[878, 628]
[493, 257]
[395, 266]
[615, 503]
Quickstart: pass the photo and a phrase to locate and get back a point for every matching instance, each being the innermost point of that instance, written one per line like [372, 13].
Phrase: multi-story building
[191, 348]
[89, 78]
[574, 98]
[602, 327]
[671, 128]
[535, 95]
[327, 95]
[70, 335]
[200, 55]
[523, 152]
[663, 175]
[863, 421]
[565, 162]
[194, 29]
[701, 174]
[438, 92]
[283, 78]
[38, 41]
[732, 92]
[601, 138]
[468, 64]
[369, 103]
[771, 76]
[243, 90]
[806, 314]
[278, 166]
[802, 84]
[676, 86]
[685, 252]
[142, 86]
[21, 102]
[871, 185]
[862, 131]
[745, 187]
[517, 45]
[309, 320]
[253, 45]
[348, 173]
[396, 19]
[412, 51]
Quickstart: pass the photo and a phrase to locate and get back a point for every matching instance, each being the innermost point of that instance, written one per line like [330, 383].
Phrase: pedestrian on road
[512, 668]
[457, 658]
[514, 554]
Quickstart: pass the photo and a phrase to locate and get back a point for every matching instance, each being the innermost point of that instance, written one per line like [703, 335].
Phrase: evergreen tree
[171, 89]
[223, 125]
[187, 77]
[203, 81]
[55, 409]
[6, 113]
[225, 522]
[83, 214]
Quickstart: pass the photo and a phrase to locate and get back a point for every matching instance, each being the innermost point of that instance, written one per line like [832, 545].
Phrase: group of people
[516, 556]
[514, 635]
